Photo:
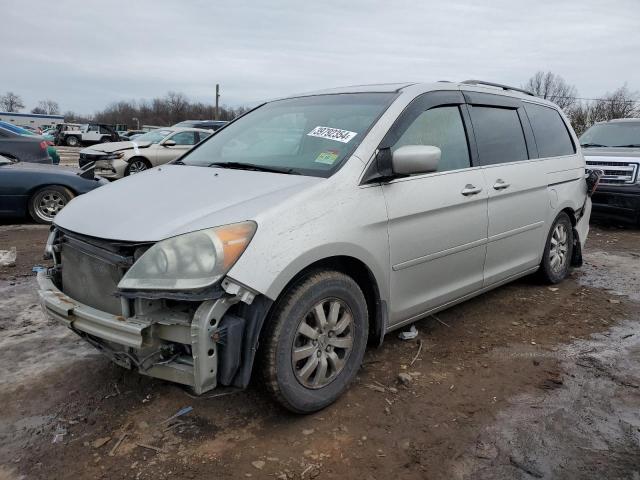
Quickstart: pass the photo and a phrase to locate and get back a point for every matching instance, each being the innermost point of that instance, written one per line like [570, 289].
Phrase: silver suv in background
[314, 225]
[614, 148]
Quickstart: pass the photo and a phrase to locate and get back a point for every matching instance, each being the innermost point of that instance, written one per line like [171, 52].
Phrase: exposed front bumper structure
[162, 343]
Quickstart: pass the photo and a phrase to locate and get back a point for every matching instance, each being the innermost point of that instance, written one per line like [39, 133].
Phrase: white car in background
[119, 159]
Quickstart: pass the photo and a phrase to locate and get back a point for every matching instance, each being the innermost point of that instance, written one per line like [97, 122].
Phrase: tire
[324, 366]
[558, 251]
[105, 140]
[46, 202]
[72, 141]
[136, 165]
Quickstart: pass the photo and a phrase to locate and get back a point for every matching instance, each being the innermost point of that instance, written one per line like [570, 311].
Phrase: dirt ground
[524, 382]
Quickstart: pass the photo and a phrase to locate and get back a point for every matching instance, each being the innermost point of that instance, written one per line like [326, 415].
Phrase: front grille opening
[91, 268]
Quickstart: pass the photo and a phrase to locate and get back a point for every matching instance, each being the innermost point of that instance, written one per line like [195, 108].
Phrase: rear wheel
[72, 141]
[47, 202]
[315, 341]
[136, 165]
[558, 251]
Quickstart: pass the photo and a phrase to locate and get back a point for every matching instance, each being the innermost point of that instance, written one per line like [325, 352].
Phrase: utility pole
[217, 100]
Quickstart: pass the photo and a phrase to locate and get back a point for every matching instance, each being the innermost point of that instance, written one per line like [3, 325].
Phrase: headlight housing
[113, 156]
[190, 261]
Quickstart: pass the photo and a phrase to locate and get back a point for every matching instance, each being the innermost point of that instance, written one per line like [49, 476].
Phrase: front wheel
[136, 165]
[315, 341]
[47, 202]
[558, 251]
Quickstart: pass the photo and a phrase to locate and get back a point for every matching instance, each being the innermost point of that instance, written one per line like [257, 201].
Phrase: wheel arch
[139, 157]
[366, 280]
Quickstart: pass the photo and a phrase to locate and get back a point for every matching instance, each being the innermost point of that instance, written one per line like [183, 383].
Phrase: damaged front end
[202, 337]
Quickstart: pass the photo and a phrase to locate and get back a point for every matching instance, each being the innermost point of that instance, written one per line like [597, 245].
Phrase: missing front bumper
[160, 346]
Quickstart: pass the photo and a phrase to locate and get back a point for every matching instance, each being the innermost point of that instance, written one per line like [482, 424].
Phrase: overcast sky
[85, 54]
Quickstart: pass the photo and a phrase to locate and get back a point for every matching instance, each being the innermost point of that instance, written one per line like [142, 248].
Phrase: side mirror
[412, 159]
[169, 143]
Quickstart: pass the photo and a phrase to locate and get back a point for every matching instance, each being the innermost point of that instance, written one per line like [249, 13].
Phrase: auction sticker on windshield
[332, 134]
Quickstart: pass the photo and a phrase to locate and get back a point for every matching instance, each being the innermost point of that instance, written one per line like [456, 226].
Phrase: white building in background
[34, 120]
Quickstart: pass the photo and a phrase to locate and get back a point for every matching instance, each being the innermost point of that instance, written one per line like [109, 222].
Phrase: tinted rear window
[549, 130]
[499, 135]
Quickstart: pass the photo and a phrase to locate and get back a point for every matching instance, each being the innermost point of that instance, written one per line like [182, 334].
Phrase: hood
[611, 153]
[111, 147]
[174, 199]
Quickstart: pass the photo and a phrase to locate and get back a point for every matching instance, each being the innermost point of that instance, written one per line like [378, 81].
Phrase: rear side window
[441, 127]
[550, 131]
[499, 135]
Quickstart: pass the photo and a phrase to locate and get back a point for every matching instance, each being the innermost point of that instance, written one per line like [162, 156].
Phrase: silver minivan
[312, 226]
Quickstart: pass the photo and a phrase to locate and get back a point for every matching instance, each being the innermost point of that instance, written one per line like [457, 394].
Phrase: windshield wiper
[589, 145]
[631, 145]
[254, 167]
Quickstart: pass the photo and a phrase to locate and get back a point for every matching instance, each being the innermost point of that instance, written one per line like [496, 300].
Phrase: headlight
[113, 156]
[190, 261]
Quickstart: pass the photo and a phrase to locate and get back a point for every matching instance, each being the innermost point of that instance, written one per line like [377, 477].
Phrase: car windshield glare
[306, 135]
[154, 136]
[612, 135]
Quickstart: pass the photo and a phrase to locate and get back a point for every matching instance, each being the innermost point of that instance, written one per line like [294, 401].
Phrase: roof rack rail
[498, 85]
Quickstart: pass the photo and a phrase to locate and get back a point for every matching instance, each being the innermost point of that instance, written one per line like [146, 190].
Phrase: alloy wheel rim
[322, 343]
[49, 203]
[137, 167]
[559, 248]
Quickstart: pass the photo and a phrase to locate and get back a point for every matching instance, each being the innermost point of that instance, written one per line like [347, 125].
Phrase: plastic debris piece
[8, 257]
[408, 334]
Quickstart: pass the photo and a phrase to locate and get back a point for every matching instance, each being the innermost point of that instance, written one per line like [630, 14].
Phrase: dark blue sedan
[41, 191]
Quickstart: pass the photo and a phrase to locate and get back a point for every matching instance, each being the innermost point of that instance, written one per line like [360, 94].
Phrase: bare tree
[11, 102]
[174, 107]
[621, 103]
[552, 87]
[49, 106]
[39, 111]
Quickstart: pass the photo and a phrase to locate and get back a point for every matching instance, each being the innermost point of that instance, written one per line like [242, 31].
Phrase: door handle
[501, 184]
[470, 190]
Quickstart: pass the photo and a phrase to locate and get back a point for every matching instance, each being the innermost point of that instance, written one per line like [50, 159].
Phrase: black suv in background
[614, 148]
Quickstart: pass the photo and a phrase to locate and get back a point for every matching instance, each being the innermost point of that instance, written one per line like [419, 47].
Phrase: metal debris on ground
[181, 412]
[150, 447]
[408, 334]
[440, 321]
[58, 435]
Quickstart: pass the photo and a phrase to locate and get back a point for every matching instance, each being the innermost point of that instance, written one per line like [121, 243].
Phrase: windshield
[154, 136]
[307, 135]
[620, 134]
